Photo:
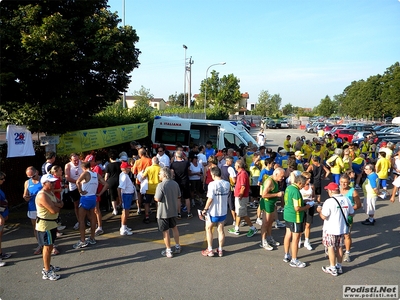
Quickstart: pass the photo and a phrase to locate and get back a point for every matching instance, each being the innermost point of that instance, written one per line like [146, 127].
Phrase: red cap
[125, 165]
[332, 186]
[89, 157]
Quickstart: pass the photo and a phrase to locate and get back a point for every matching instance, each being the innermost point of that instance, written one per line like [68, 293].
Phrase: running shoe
[125, 232]
[346, 257]
[80, 244]
[297, 264]
[287, 259]
[273, 243]
[329, 270]
[5, 255]
[50, 275]
[251, 232]
[166, 253]
[308, 246]
[266, 246]
[99, 231]
[233, 231]
[76, 226]
[91, 241]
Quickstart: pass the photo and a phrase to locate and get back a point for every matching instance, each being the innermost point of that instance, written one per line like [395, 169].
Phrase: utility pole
[191, 62]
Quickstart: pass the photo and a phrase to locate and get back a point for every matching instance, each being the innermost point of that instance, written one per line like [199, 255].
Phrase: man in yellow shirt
[382, 169]
[286, 144]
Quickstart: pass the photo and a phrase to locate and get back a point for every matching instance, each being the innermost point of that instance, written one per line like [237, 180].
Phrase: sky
[301, 50]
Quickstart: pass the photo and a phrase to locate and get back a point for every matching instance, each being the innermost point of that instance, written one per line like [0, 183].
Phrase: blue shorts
[383, 183]
[127, 201]
[217, 219]
[88, 202]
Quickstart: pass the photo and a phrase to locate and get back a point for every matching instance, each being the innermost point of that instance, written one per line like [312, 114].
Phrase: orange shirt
[140, 165]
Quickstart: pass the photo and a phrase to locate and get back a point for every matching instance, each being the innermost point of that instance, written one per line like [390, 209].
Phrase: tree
[326, 107]
[288, 109]
[223, 93]
[268, 105]
[62, 62]
[143, 97]
[178, 100]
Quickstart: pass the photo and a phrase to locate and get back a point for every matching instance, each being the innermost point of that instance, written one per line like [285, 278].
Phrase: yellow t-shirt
[382, 168]
[286, 145]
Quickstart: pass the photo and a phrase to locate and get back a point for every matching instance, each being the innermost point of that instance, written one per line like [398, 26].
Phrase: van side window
[231, 141]
[169, 136]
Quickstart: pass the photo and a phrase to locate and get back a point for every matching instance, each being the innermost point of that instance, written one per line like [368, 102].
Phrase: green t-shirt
[293, 198]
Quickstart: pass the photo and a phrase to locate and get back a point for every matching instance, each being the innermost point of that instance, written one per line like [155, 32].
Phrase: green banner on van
[91, 139]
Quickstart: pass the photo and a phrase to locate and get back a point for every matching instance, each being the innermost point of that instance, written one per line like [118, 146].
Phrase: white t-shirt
[164, 160]
[195, 169]
[125, 184]
[202, 159]
[335, 223]
[261, 138]
[218, 191]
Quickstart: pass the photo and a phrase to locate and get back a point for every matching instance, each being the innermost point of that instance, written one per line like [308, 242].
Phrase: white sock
[236, 228]
[306, 241]
[252, 227]
[100, 228]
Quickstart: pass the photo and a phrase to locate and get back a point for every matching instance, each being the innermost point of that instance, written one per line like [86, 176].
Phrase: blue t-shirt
[210, 152]
[372, 179]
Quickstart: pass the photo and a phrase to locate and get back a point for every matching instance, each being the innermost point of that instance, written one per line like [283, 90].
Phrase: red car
[341, 133]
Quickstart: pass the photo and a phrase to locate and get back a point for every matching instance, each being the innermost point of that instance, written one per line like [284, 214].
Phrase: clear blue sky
[302, 50]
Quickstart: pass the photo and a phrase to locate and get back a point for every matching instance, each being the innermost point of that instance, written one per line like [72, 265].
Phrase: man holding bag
[334, 212]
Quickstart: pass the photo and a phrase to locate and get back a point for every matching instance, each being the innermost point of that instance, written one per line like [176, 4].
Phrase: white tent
[396, 120]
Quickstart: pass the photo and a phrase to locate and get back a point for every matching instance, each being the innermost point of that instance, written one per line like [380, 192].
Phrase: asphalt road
[118, 267]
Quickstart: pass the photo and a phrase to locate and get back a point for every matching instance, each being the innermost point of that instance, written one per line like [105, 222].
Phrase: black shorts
[185, 190]
[166, 224]
[231, 201]
[309, 217]
[255, 191]
[113, 192]
[195, 185]
[47, 238]
[295, 227]
[74, 195]
[147, 198]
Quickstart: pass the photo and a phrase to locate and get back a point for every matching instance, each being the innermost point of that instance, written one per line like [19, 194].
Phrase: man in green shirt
[293, 216]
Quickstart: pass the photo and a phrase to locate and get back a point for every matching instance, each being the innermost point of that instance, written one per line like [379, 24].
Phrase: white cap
[47, 177]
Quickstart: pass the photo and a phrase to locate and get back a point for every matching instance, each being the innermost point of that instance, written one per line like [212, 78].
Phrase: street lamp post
[184, 79]
[205, 89]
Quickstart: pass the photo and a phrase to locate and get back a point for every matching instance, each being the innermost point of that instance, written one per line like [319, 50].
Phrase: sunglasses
[160, 151]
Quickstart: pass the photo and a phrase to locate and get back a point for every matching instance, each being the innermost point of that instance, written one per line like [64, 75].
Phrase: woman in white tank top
[308, 195]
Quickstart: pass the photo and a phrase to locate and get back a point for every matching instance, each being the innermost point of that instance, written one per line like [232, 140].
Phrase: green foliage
[268, 104]
[222, 93]
[62, 62]
[217, 114]
[115, 115]
[288, 109]
[326, 107]
[143, 97]
[375, 97]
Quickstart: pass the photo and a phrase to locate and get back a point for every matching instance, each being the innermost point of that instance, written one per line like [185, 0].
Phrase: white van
[223, 134]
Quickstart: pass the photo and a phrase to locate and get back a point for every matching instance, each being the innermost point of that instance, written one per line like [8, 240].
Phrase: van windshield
[248, 138]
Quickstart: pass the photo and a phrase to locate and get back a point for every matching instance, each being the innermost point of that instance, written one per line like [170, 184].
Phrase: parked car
[271, 124]
[362, 134]
[282, 124]
[383, 126]
[360, 127]
[246, 124]
[337, 126]
[378, 137]
[344, 132]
